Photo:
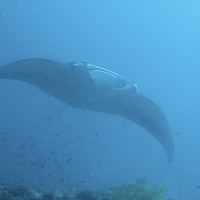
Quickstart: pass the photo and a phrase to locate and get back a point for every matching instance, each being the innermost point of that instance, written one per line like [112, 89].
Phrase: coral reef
[86, 195]
[13, 192]
[140, 190]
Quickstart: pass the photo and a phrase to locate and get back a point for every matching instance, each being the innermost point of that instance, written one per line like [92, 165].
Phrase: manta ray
[88, 86]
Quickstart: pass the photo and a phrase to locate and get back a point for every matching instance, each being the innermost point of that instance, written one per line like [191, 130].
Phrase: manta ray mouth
[91, 87]
[104, 80]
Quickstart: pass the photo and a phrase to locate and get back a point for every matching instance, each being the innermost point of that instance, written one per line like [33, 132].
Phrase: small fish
[70, 160]
[50, 175]
[8, 152]
[60, 167]
[29, 138]
[62, 179]
[43, 164]
[197, 187]
[76, 186]
[53, 152]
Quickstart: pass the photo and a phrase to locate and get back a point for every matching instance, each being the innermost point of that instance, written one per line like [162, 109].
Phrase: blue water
[154, 43]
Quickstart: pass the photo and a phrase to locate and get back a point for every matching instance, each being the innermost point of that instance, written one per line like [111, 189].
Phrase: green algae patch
[140, 190]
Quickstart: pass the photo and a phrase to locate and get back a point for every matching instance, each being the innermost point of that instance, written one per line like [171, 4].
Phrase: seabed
[141, 190]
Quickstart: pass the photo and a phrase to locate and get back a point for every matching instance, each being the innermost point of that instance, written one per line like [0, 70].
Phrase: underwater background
[46, 144]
